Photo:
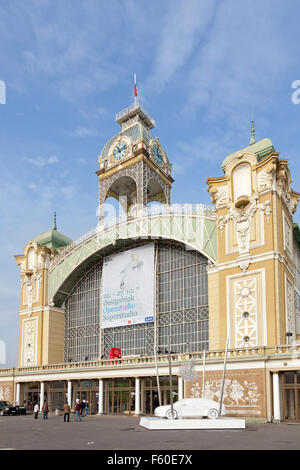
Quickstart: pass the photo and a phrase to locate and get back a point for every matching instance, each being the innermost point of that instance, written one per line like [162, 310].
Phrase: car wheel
[170, 416]
[213, 413]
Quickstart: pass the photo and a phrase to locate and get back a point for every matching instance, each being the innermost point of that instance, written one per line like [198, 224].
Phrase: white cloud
[42, 161]
[242, 61]
[82, 131]
[184, 25]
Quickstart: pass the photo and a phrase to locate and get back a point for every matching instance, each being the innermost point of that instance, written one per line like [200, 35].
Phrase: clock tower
[133, 167]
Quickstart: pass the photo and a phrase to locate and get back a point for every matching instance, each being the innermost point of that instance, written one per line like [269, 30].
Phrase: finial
[54, 222]
[252, 139]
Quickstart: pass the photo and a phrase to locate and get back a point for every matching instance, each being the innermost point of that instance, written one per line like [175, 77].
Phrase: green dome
[135, 133]
[262, 149]
[52, 238]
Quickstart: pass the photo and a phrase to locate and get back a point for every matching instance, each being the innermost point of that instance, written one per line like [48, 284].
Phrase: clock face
[157, 154]
[119, 151]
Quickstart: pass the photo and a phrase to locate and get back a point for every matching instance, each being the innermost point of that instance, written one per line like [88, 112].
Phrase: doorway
[290, 387]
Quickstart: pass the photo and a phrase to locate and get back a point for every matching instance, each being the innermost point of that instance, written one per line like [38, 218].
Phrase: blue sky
[201, 65]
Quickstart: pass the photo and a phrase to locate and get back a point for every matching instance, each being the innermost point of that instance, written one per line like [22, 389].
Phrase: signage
[115, 352]
[128, 287]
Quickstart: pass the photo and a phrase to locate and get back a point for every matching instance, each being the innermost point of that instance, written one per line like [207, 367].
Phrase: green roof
[135, 133]
[52, 239]
[262, 149]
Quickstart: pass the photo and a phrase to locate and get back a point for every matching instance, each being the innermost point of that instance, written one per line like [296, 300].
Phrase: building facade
[167, 278]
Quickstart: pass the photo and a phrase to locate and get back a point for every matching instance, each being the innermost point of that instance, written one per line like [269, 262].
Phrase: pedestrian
[82, 407]
[77, 411]
[67, 411]
[45, 409]
[86, 410]
[36, 411]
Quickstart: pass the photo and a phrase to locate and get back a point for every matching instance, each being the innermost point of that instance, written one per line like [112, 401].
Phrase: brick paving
[124, 433]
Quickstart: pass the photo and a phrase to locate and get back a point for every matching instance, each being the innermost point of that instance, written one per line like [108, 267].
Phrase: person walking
[45, 409]
[77, 411]
[82, 407]
[36, 411]
[86, 410]
[67, 411]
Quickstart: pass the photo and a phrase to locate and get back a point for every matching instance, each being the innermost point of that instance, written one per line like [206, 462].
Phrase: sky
[202, 66]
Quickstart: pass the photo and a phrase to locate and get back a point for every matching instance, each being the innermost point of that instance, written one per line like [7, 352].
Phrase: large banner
[128, 287]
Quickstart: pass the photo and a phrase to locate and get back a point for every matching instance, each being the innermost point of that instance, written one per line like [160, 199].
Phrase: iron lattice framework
[181, 311]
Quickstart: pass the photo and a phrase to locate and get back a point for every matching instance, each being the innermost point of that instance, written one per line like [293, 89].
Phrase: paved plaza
[124, 433]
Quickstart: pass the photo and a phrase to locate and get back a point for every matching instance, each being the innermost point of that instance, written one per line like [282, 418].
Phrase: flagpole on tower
[135, 89]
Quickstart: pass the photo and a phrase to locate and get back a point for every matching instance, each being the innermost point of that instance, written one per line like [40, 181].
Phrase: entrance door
[291, 395]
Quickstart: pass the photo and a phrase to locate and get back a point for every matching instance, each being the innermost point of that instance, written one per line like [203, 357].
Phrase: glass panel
[298, 377]
[182, 299]
[289, 397]
[288, 377]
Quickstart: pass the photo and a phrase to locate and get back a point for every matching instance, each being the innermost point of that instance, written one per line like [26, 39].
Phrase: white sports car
[191, 408]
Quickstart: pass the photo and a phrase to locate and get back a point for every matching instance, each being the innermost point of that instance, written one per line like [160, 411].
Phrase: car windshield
[5, 403]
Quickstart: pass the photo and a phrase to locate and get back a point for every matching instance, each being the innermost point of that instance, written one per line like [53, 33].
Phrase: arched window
[31, 258]
[241, 177]
[181, 311]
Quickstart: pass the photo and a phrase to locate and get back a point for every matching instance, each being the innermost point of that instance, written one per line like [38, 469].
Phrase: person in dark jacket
[77, 411]
[45, 410]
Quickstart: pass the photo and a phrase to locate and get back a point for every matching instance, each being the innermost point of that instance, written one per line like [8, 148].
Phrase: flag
[135, 90]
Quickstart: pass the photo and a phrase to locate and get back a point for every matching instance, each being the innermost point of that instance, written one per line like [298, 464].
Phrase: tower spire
[252, 139]
[54, 222]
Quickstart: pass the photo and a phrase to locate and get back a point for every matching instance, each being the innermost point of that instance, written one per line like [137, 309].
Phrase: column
[101, 398]
[180, 388]
[291, 404]
[137, 396]
[69, 394]
[276, 397]
[42, 395]
[165, 398]
[18, 394]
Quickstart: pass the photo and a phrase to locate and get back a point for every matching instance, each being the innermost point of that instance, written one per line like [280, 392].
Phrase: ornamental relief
[283, 188]
[290, 312]
[5, 394]
[265, 178]
[31, 287]
[243, 391]
[29, 346]
[235, 392]
[245, 313]
[242, 220]
[219, 195]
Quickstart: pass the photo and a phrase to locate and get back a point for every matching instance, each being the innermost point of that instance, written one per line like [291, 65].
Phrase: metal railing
[214, 355]
[136, 105]
[150, 211]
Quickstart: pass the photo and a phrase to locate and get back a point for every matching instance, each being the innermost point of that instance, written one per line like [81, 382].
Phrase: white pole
[203, 375]
[101, 401]
[18, 394]
[170, 376]
[180, 388]
[155, 327]
[223, 380]
[69, 395]
[137, 396]
[276, 397]
[42, 395]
